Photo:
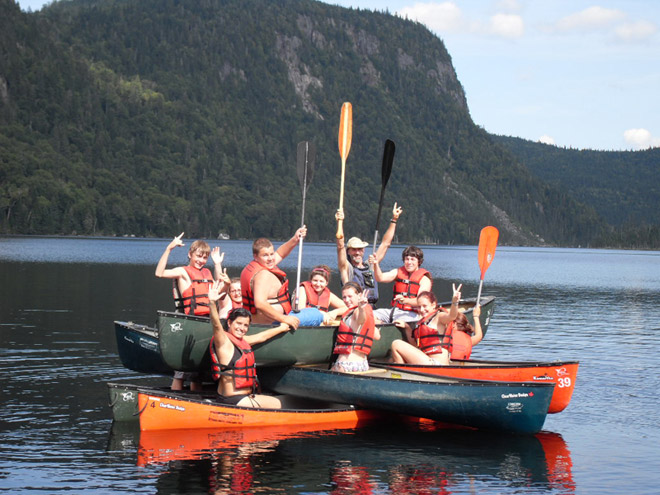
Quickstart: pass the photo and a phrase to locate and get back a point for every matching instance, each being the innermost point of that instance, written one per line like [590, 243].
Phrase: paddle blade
[388, 160]
[305, 163]
[487, 244]
[345, 130]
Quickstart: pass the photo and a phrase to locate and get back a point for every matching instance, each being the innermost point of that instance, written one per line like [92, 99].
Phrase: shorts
[231, 399]
[191, 376]
[309, 317]
[350, 366]
[390, 315]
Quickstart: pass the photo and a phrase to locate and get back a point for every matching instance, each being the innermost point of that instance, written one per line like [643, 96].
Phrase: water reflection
[413, 457]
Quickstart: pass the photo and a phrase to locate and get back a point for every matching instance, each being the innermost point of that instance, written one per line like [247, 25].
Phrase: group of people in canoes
[433, 335]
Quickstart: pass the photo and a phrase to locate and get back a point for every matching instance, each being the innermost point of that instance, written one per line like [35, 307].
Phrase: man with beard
[350, 256]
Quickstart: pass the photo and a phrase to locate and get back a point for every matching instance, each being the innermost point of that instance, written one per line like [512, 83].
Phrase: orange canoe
[562, 373]
[165, 410]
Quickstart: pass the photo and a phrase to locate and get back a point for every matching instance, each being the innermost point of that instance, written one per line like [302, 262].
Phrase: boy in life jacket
[356, 333]
[350, 256]
[232, 359]
[265, 286]
[191, 286]
[409, 280]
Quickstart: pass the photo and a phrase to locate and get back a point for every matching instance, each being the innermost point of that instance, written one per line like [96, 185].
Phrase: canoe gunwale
[207, 399]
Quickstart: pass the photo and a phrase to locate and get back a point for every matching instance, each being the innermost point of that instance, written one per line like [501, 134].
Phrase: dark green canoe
[507, 406]
[137, 346]
[184, 340]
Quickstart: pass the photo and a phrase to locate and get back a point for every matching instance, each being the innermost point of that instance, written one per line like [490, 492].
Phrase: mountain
[622, 186]
[161, 116]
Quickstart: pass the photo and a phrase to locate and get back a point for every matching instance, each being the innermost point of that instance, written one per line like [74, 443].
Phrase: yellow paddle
[345, 136]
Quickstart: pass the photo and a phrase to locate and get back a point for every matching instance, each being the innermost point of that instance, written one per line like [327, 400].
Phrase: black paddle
[305, 164]
[388, 159]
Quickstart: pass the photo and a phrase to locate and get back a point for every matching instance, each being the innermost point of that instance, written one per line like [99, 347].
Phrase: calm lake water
[59, 298]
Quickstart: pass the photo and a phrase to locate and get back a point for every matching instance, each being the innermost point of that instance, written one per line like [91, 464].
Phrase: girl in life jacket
[314, 293]
[466, 336]
[429, 341]
[232, 358]
[232, 299]
[357, 331]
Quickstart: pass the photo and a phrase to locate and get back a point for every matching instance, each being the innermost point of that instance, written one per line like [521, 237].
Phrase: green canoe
[184, 340]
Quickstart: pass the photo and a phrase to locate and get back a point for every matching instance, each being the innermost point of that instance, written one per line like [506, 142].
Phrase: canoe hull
[139, 349]
[184, 341]
[562, 373]
[167, 410]
[513, 407]
[123, 401]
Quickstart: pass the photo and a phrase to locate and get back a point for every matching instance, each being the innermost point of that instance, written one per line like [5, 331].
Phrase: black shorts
[231, 399]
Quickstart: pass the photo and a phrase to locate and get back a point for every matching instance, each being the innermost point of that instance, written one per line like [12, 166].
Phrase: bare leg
[260, 400]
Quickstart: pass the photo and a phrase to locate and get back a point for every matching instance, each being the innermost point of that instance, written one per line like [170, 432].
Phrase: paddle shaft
[304, 184]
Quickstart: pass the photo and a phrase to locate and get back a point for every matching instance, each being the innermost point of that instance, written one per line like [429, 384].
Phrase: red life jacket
[461, 347]
[195, 299]
[361, 341]
[430, 340]
[408, 285]
[241, 367]
[314, 300]
[248, 274]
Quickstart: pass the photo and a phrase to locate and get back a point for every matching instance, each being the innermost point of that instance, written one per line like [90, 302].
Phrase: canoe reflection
[404, 457]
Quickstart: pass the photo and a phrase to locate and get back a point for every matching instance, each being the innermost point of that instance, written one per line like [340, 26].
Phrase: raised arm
[478, 333]
[219, 335]
[389, 233]
[285, 249]
[445, 318]
[379, 275]
[342, 259]
[161, 267]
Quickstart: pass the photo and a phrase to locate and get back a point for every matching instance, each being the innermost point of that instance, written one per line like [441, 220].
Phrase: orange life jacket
[195, 299]
[408, 284]
[314, 300]
[361, 340]
[461, 345]
[430, 340]
[241, 367]
[248, 273]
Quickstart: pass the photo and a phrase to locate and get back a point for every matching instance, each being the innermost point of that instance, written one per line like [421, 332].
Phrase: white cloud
[590, 19]
[635, 31]
[545, 139]
[438, 17]
[640, 138]
[507, 26]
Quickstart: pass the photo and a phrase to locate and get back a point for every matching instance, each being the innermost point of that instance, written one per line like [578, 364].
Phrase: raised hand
[217, 256]
[396, 212]
[223, 277]
[457, 293]
[176, 242]
[214, 291]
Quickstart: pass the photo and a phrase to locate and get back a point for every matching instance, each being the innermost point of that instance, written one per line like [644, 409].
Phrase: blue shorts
[309, 317]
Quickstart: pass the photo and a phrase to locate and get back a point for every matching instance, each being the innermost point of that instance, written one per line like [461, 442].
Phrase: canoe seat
[370, 371]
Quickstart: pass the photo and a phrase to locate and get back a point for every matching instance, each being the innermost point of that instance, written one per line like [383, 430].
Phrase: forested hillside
[622, 186]
[161, 116]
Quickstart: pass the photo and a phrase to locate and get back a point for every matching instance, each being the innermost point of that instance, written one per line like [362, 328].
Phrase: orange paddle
[487, 245]
[345, 136]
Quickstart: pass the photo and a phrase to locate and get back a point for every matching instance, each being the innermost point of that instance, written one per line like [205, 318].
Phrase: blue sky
[574, 73]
